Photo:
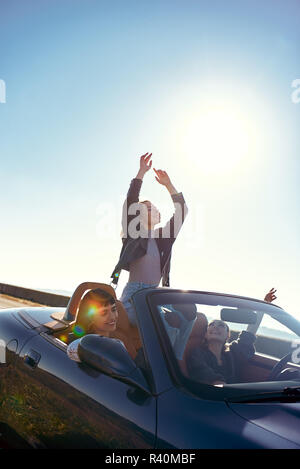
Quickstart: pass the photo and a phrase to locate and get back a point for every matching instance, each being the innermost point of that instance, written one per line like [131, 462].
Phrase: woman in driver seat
[216, 362]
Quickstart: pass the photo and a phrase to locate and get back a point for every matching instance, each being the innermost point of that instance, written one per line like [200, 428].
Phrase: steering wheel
[279, 366]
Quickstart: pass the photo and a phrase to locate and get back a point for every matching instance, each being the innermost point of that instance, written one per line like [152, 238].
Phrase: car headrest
[76, 299]
[65, 317]
[199, 328]
[189, 310]
[196, 339]
[176, 314]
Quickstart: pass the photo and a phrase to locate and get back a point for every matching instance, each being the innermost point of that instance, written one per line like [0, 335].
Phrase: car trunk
[34, 317]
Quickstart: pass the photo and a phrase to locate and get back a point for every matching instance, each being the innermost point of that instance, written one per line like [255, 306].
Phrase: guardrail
[37, 296]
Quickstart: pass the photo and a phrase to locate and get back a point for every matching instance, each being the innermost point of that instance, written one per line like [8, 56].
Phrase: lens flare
[94, 307]
[63, 338]
[91, 311]
[78, 330]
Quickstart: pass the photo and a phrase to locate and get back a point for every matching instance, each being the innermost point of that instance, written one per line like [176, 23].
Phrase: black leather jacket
[203, 366]
[133, 248]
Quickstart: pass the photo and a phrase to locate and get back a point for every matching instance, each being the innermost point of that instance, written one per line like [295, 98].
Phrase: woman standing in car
[146, 250]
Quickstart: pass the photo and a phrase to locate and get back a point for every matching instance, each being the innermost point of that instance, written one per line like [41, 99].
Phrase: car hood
[283, 419]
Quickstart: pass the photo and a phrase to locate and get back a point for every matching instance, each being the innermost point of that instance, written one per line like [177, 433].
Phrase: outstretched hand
[270, 296]
[145, 162]
[162, 177]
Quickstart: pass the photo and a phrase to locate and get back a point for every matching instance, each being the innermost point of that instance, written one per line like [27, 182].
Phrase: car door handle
[32, 358]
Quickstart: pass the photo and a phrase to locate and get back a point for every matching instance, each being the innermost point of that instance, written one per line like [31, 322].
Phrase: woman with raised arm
[146, 250]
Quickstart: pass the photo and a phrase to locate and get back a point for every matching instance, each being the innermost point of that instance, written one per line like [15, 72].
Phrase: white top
[146, 269]
[72, 350]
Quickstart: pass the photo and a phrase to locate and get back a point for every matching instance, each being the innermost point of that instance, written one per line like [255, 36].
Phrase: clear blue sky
[205, 86]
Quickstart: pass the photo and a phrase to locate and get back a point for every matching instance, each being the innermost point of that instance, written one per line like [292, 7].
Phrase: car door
[65, 404]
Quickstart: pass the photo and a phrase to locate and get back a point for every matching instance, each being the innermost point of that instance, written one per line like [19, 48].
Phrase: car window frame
[48, 335]
[207, 391]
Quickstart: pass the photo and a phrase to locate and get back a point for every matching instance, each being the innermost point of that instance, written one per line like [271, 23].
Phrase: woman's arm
[76, 297]
[163, 179]
[270, 296]
[133, 193]
[72, 350]
[172, 227]
[145, 165]
[243, 348]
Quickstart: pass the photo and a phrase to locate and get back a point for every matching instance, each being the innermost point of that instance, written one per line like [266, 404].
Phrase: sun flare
[219, 138]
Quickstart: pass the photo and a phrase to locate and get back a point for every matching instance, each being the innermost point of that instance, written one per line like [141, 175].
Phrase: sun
[219, 137]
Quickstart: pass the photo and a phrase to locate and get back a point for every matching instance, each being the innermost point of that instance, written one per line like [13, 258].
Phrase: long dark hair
[225, 347]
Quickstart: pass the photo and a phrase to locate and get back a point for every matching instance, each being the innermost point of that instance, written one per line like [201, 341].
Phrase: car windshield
[226, 341]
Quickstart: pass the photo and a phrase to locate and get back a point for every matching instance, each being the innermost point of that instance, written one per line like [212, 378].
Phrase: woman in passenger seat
[216, 362]
[97, 314]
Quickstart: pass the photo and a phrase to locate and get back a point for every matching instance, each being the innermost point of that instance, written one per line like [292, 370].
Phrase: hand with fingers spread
[145, 165]
[163, 179]
[270, 296]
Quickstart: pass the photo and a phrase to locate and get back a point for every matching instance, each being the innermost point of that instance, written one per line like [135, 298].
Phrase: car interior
[190, 326]
[262, 367]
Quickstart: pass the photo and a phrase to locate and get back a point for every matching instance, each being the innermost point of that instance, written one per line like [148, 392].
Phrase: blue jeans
[129, 289]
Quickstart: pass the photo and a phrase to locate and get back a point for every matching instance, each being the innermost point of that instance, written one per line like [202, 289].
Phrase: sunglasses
[218, 324]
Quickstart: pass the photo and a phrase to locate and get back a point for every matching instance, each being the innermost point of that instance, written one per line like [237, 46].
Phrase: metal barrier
[36, 296]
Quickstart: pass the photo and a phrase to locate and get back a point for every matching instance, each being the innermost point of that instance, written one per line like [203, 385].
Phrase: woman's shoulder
[72, 350]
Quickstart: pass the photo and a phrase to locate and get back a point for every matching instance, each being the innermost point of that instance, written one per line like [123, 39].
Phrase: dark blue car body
[50, 401]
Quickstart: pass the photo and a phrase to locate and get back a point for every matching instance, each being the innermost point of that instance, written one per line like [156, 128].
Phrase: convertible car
[141, 395]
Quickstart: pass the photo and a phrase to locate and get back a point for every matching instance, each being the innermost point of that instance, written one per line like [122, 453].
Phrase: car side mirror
[239, 315]
[111, 357]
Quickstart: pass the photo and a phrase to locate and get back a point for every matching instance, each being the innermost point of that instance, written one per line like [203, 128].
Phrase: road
[10, 302]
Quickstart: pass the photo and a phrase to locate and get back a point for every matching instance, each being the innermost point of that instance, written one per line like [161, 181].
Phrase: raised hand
[145, 165]
[270, 296]
[163, 179]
